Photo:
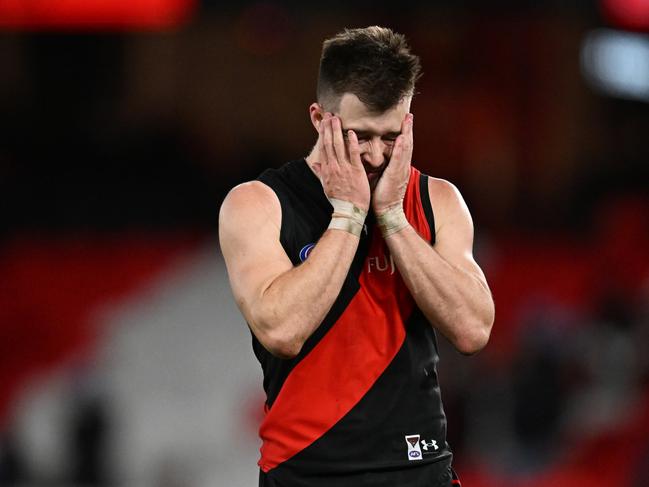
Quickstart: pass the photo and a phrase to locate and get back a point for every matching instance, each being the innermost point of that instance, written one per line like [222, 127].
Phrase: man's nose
[375, 153]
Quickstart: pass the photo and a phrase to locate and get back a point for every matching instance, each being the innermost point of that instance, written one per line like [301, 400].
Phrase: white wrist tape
[350, 226]
[347, 217]
[392, 220]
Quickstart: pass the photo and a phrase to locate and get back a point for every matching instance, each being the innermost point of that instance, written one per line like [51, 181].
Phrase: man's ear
[316, 113]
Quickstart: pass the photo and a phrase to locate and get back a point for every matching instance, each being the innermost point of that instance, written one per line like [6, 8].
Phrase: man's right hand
[340, 169]
[282, 303]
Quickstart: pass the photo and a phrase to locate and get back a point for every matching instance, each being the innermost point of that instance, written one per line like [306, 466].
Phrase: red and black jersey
[360, 404]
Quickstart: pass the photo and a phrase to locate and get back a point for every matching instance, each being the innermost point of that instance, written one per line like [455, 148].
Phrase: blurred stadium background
[123, 360]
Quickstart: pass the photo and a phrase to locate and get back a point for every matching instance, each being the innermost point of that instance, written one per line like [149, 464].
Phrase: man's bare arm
[284, 304]
[445, 281]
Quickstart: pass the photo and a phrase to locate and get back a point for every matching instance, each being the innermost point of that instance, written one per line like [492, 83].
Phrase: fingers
[338, 142]
[331, 138]
[327, 141]
[406, 132]
[407, 129]
[354, 149]
[402, 151]
[322, 155]
[339, 178]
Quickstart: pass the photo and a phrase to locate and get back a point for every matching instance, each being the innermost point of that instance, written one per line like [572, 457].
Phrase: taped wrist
[347, 217]
[393, 220]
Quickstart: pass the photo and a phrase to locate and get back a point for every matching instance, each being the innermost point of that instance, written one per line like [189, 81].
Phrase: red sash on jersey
[328, 382]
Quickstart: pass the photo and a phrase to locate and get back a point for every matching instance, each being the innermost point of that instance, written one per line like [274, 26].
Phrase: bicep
[249, 226]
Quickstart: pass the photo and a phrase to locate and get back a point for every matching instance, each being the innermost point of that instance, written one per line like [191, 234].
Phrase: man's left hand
[391, 187]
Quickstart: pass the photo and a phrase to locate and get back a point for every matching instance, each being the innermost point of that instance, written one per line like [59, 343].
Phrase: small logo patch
[306, 250]
[429, 446]
[414, 450]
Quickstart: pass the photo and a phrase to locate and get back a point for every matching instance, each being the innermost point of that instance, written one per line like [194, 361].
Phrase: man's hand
[341, 171]
[391, 187]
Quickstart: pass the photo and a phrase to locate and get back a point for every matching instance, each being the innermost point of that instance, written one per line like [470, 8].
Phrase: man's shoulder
[249, 192]
[434, 184]
[445, 198]
[442, 189]
[447, 203]
[248, 201]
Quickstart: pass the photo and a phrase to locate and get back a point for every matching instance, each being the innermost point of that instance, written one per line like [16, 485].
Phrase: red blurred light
[94, 14]
[627, 14]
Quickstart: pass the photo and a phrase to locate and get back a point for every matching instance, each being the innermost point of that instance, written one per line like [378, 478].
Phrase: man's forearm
[294, 304]
[457, 302]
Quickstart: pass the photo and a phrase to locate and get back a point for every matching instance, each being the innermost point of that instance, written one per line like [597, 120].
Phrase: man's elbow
[283, 345]
[278, 338]
[474, 339]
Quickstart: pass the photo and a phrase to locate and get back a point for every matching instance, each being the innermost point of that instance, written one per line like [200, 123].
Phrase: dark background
[110, 131]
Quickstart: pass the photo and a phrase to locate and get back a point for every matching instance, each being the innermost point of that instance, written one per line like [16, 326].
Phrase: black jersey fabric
[360, 404]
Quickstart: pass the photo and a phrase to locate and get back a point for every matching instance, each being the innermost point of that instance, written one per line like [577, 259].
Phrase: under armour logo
[429, 444]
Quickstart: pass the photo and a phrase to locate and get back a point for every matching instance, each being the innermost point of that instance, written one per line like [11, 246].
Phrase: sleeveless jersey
[360, 404]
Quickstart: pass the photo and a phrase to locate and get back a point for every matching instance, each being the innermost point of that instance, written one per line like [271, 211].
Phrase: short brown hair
[373, 63]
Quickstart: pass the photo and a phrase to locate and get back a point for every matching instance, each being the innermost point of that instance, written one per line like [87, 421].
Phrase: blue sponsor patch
[306, 250]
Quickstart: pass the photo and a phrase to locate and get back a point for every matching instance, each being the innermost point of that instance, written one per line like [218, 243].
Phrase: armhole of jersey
[285, 233]
[427, 206]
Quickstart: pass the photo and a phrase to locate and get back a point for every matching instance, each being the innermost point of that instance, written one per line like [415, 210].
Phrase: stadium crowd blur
[119, 139]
